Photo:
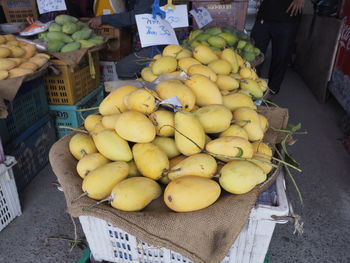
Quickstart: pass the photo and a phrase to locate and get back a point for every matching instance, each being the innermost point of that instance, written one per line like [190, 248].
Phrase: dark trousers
[282, 35]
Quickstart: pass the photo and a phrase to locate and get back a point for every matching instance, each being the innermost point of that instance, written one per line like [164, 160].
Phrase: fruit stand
[182, 152]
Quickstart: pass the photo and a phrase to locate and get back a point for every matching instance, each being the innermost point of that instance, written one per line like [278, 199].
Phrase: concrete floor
[325, 184]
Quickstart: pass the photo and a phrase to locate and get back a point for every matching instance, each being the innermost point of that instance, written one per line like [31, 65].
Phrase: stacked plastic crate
[28, 133]
[73, 92]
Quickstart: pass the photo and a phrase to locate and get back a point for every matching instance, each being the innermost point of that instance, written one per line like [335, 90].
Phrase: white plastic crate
[108, 71]
[112, 244]
[9, 201]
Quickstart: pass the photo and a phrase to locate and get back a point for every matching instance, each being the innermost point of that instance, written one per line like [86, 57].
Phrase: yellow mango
[187, 62]
[2, 39]
[163, 120]
[43, 55]
[89, 163]
[29, 65]
[98, 128]
[16, 52]
[173, 87]
[234, 130]
[30, 51]
[202, 70]
[3, 74]
[205, 91]
[39, 61]
[220, 66]
[167, 145]
[147, 74]
[164, 65]
[174, 161]
[4, 52]
[99, 183]
[133, 126]
[262, 84]
[91, 121]
[133, 171]
[7, 64]
[164, 179]
[189, 133]
[80, 145]
[225, 92]
[134, 194]
[226, 82]
[240, 177]
[263, 122]
[204, 54]
[191, 193]
[9, 37]
[185, 53]
[262, 149]
[225, 147]
[229, 55]
[109, 121]
[207, 139]
[114, 102]
[239, 59]
[140, 100]
[172, 51]
[249, 120]
[19, 61]
[214, 118]
[18, 72]
[199, 164]
[252, 87]
[234, 101]
[112, 146]
[150, 160]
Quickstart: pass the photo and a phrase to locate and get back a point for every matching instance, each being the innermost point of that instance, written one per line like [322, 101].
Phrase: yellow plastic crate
[73, 83]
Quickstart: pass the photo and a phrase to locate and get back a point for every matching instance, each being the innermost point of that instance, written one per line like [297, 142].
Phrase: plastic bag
[35, 28]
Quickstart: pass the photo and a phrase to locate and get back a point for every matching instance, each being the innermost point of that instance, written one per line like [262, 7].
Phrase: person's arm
[125, 18]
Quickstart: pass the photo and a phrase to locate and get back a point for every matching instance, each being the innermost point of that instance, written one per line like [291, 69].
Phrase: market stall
[183, 163]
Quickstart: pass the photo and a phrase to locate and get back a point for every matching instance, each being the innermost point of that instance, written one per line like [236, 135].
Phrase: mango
[91, 121]
[217, 41]
[54, 45]
[174, 161]
[86, 43]
[164, 65]
[234, 130]
[133, 171]
[54, 27]
[167, 145]
[89, 163]
[213, 31]
[204, 54]
[240, 177]
[134, 194]
[133, 126]
[59, 36]
[63, 19]
[226, 82]
[112, 146]
[150, 160]
[191, 193]
[263, 122]
[30, 51]
[230, 56]
[234, 101]
[199, 164]
[249, 120]
[172, 51]
[80, 145]
[16, 52]
[202, 70]
[262, 84]
[70, 28]
[185, 63]
[189, 133]
[17, 72]
[140, 100]
[164, 122]
[205, 91]
[73, 46]
[147, 74]
[224, 148]
[109, 121]
[7, 64]
[4, 52]
[173, 87]
[214, 118]
[114, 102]
[82, 34]
[220, 66]
[185, 53]
[230, 39]
[3, 74]
[252, 87]
[99, 183]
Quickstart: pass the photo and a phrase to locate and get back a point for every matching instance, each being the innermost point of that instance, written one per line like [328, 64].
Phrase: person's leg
[261, 36]
[283, 40]
[131, 65]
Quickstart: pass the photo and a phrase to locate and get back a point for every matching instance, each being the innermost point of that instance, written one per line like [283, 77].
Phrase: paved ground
[325, 184]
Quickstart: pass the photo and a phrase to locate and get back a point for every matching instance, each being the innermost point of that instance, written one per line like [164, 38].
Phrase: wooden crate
[229, 14]
[19, 10]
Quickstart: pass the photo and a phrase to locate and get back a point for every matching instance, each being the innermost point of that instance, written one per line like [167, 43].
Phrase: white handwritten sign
[177, 17]
[155, 32]
[46, 6]
[202, 16]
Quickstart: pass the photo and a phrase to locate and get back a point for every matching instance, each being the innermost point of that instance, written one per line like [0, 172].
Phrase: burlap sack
[204, 236]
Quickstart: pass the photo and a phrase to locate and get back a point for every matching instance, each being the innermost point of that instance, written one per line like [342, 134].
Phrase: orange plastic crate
[18, 10]
[73, 83]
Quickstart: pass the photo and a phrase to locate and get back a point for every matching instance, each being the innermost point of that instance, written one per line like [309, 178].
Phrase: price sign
[155, 32]
[202, 16]
[177, 17]
[46, 6]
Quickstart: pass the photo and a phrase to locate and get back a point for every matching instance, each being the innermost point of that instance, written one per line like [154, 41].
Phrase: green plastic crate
[65, 115]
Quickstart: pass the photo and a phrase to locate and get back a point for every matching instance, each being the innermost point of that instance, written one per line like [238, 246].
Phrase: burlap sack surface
[204, 236]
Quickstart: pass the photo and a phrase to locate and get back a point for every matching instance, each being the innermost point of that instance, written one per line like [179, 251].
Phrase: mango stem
[89, 208]
[80, 196]
[73, 129]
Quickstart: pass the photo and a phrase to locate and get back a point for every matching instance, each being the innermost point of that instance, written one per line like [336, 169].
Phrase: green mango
[54, 45]
[249, 56]
[217, 41]
[71, 47]
[63, 19]
[54, 27]
[215, 48]
[205, 43]
[86, 43]
[213, 31]
[59, 36]
[82, 34]
[43, 36]
[194, 34]
[97, 40]
[202, 37]
[230, 38]
[241, 44]
[257, 51]
[70, 28]
[194, 44]
[82, 25]
[249, 47]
